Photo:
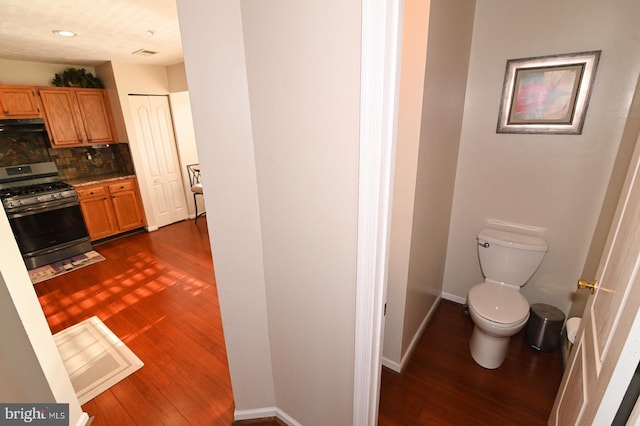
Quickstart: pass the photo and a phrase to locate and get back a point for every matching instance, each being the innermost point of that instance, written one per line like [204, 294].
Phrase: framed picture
[547, 94]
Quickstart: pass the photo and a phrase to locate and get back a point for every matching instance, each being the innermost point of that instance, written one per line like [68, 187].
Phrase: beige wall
[214, 54]
[282, 194]
[177, 78]
[556, 182]
[412, 67]
[33, 73]
[432, 91]
[305, 116]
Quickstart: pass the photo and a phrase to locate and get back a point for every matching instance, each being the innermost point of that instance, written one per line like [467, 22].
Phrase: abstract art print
[547, 94]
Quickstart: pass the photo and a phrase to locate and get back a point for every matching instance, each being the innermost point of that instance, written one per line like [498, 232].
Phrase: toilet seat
[498, 303]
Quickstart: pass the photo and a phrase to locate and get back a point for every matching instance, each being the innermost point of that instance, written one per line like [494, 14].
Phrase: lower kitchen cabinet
[111, 208]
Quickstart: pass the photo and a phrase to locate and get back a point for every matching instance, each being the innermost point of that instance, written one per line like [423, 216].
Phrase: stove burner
[29, 187]
[18, 191]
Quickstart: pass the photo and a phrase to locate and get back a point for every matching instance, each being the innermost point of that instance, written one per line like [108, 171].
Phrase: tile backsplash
[23, 148]
[73, 163]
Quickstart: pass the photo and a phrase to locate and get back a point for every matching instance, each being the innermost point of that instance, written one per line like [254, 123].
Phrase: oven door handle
[42, 207]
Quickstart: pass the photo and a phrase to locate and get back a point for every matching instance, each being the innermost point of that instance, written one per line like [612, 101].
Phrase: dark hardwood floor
[156, 291]
[442, 384]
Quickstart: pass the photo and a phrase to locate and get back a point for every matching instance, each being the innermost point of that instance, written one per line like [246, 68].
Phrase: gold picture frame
[547, 94]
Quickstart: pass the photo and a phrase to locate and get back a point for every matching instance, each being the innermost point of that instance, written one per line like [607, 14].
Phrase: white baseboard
[454, 298]
[84, 418]
[266, 412]
[255, 413]
[399, 368]
[392, 365]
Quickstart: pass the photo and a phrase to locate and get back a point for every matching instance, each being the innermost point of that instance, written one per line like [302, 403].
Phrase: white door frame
[381, 23]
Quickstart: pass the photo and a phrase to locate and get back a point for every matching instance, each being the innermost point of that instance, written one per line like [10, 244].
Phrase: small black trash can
[544, 327]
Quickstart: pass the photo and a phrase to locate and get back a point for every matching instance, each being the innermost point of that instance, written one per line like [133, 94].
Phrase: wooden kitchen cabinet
[77, 117]
[111, 208]
[97, 211]
[18, 102]
[126, 205]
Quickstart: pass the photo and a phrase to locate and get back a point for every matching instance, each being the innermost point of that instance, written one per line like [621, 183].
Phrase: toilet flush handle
[483, 244]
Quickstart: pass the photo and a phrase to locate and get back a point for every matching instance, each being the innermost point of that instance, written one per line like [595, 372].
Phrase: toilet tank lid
[509, 239]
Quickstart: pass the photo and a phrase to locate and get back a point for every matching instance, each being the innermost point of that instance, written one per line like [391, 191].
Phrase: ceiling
[107, 30]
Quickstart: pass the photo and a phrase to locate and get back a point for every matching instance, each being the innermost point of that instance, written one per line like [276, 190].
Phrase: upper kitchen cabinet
[18, 102]
[78, 117]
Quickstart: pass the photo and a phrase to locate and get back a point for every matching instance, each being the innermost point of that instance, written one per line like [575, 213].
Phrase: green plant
[73, 77]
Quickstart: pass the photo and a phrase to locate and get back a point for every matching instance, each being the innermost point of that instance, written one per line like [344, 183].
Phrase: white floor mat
[94, 357]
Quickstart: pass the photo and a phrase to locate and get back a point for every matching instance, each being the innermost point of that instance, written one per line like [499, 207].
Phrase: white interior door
[607, 348]
[154, 131]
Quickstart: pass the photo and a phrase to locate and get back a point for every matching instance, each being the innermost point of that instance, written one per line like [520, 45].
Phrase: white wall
[556, 182]
[282, 194]
[31, 370]
[432, 91]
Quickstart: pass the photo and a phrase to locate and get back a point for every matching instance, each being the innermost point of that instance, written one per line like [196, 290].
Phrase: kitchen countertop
[97, 179]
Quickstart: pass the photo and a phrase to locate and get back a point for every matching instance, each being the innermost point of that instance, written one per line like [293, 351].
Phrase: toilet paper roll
[573, 324]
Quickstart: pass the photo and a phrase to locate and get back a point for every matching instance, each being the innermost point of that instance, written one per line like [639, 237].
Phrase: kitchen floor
[156, 292]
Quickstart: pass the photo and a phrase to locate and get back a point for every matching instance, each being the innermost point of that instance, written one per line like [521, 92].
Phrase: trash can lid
[547, 312]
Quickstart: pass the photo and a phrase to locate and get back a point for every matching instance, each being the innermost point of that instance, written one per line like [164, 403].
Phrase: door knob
[591, 285]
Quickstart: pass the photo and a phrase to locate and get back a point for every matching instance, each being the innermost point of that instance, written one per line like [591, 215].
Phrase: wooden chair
[196, 185]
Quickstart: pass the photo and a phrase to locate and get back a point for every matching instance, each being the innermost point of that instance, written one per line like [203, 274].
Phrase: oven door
[50, 233]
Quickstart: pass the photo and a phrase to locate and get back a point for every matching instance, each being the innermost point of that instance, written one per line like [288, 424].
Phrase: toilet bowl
[498, 312]
[497, 308]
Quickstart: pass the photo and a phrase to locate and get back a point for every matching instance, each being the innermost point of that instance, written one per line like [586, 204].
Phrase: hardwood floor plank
[108, 403]
[442, 385]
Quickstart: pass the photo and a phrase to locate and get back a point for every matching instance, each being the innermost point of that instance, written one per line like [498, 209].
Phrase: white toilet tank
[510, 258]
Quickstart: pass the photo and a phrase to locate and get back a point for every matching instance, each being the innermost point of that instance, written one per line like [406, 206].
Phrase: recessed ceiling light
[64, 33]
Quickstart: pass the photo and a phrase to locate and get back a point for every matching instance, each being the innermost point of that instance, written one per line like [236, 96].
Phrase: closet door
[160, 162]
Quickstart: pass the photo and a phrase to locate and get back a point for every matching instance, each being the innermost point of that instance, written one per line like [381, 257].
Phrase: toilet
[508, 260]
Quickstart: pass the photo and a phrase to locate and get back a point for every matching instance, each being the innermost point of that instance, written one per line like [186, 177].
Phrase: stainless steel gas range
[44, 213]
